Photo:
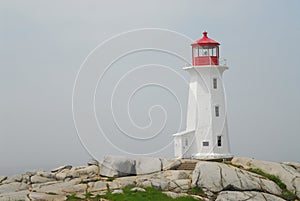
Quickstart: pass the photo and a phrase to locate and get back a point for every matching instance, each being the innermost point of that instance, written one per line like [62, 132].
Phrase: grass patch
[151, 194]
[197, 191]
[88, 195]
[110, 179]
[73, 197]
[286, 194]
[234, 165]
[269, 176]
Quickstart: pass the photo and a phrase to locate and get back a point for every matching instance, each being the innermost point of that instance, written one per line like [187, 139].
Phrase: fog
[68, 94]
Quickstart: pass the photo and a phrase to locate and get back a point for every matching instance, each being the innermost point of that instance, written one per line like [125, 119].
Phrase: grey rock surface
[217, 177]
[57, 187]
[60, 168]
[247, 195]
[12, 187]
[146, 165]
[12, 196]
[15, 178]
[2, 178]
[40, 179]
[138, 189]
[178, 195]
[287, 174]
[117, 191]
[97, 186]
[295, 165]
[170, 164]
[113, 166]
[93, 162]
[45, 174]
[35, 196]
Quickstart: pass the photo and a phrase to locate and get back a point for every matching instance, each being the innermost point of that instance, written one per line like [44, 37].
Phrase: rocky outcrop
[19, 195]
[287, 173]
[116, 166]
[212, 180]
[247, 195]
[294, 165]
[216, 177]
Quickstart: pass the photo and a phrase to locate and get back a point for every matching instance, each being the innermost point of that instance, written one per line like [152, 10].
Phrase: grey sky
[43, 43]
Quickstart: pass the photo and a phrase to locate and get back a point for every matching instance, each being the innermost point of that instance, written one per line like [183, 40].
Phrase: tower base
[212, 156]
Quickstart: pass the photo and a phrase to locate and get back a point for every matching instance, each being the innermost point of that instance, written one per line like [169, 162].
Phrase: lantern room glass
[205, 51]
[205, 55]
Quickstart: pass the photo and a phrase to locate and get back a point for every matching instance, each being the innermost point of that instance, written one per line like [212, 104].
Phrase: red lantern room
[205, 51]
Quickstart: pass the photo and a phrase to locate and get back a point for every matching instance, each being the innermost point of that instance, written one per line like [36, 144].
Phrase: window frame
[217, 111]
[205, 143]
[215, 83]
[219, 140]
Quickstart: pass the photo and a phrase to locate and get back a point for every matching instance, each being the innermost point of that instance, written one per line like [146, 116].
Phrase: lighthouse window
[205, 143]
[219, 140]
[217, 111]
[215, 83]
[212, 51]
[203, 51]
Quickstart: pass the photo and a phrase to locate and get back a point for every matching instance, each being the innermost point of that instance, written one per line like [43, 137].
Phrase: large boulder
[216, 177]
[170, 164]
[13, 187]
[114, 166]
[179, 195]
[40, 179]
[19, 195]
[45, 174]
[88, 171]
[35, 196]
[173, 180]
[147, 165]
[15, 178]
[97, 186]
[247, 195]
[59, 187]
[177, 174]
[123, 182]
[295, 165]
[93, 162]
[2, 178]
[287, 174]
[60, 168]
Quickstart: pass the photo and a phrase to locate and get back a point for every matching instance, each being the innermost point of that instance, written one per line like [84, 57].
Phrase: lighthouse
[206, 133]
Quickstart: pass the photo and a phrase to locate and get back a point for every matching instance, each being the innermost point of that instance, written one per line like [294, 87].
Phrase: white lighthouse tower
[206, 134]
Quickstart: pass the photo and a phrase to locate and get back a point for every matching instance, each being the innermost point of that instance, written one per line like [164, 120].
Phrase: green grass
[151, 194]
[286, 194]
[197, 191]
[89, 195]
[110, 179]
[230, 163]
[73, 197]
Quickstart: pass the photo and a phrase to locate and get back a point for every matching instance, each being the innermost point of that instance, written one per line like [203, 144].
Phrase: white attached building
[206, 134]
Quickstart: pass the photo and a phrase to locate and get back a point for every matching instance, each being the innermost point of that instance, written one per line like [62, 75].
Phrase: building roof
[205, 41]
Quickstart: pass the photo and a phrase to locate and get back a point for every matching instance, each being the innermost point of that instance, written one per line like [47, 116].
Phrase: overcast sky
[43, 44]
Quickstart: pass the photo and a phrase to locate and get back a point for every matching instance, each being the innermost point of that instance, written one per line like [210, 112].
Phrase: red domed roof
[205, 41]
